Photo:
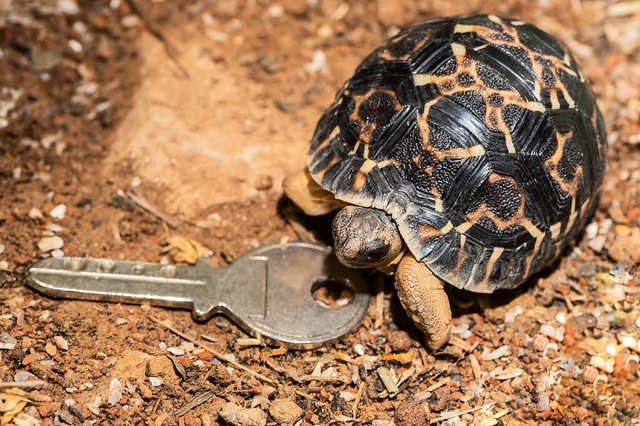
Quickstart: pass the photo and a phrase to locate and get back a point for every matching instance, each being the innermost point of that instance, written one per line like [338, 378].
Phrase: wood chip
[388, 380]
[199, 399]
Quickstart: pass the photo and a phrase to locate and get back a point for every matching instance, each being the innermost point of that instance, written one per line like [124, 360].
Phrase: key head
[282, 309]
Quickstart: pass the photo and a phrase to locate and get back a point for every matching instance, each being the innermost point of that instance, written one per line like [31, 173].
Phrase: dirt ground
[125, 125]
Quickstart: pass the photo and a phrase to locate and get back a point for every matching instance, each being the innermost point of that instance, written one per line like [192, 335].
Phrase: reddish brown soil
[92, 106]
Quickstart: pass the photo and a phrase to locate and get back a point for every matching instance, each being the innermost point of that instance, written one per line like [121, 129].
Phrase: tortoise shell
[481, 139]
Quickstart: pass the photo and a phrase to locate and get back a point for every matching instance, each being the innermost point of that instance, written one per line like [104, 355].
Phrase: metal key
[268, 292]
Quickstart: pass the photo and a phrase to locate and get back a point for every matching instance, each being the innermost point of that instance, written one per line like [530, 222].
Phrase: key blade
[116, 281]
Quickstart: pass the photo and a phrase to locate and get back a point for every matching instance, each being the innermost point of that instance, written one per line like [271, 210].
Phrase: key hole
[332, 293]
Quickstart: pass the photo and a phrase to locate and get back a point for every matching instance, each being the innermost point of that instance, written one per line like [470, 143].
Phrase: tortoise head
[366, 237]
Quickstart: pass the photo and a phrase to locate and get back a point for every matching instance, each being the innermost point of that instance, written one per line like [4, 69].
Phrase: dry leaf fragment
[184, 249]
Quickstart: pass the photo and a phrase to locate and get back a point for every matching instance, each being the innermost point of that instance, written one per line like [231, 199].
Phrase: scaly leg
[308, 195]
[423, 297]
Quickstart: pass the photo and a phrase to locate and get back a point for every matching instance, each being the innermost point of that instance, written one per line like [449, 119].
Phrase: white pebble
[275, 11]
[135, 182]
[175, 351]
[35, 214]
[115, 392]
[23, 376]
[597, 244]
[561, 318]
[57, 254]
[58, 211]
[359, 349]
[17, 172]
[591, 230]
[61, 343]
[68, 7]
[53, 227]
[45, 315]
[488, 355]
[511, 314]
[556, 333]
[155, 381]
[75, 45]
[318, 63]
[130, 21]
[162, 346]
[602, 364]
[4, 265]
[48, 140]
[47, 244]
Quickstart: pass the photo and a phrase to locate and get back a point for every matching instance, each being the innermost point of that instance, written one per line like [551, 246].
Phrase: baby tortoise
[472, 141]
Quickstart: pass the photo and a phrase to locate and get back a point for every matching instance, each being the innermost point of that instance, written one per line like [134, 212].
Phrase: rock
[626, 247]
[239, 416]
[44, 60]
[115, 392]
[7, 341]
[264, 182]
[61, 343]
[226, 9]
[285, 411]
[47, 244]
[400, 341]
[410, 413]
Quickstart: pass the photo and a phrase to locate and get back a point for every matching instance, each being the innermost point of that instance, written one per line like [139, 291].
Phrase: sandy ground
[131, 133]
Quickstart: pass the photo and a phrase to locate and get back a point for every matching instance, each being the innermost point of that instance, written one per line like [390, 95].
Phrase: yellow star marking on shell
[552, 163]
[463, 240]
[553, 97]
[464, 227]
[555, 230]
[458, 49]
[447, 228]
[335, 132]
[494, 18]
[438, 205]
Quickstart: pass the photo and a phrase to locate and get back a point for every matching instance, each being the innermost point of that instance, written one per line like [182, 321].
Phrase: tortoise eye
[376, 250]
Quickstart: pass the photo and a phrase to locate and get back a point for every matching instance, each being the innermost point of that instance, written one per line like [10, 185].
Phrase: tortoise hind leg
[423, 297]
[308, 195]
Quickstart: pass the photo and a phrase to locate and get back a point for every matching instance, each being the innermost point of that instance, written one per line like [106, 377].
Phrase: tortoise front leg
[423, 297]
[308, 195]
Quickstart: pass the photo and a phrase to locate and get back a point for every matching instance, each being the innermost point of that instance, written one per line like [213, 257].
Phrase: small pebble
[556, 333]
[176, 351]
[35, 214]
[602, 364]
[23, 376]
[236, 415]
[48, 244]
[359, 349]
[58, 211]
[264, 182]
[275, 11]
[7, 341]
[318, 63]
[57, 253]
[115, 392]
[285, 411]
[511, 314]
[591, 230]
[68, 7]
[61, 343]
[155, 381]
[135, 182]
[488, 355]
[75, 46]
